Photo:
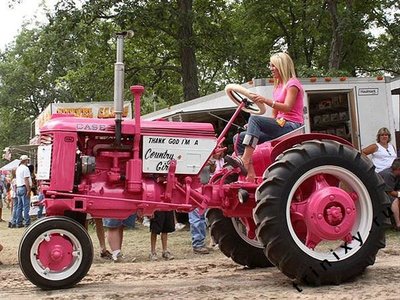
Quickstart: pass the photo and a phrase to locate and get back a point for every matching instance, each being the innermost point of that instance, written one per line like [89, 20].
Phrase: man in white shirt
[23, 181]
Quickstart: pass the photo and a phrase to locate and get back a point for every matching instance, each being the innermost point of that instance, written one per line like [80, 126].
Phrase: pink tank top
[279, 95]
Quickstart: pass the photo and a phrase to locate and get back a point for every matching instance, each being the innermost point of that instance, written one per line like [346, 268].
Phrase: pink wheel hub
[55, 253]
[329, 213]
[334, 215]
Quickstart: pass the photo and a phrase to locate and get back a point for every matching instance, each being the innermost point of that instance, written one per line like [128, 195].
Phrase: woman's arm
[287, 106]
[370, 149]
[395, 150]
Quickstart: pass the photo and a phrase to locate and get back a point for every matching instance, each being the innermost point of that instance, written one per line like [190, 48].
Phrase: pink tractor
[317, 210]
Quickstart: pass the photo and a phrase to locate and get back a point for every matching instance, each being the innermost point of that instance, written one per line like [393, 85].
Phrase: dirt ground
[191, 276]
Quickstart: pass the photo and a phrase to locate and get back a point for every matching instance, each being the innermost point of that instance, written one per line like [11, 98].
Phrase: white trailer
[353, 108]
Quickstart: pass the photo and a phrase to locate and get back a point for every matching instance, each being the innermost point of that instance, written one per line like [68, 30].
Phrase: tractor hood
[107, 126]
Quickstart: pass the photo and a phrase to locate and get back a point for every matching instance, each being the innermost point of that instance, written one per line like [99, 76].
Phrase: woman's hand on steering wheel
[256, 98]
[240, 95]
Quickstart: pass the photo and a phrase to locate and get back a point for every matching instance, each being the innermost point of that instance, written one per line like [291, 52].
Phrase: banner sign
[190, 153]
[82, 110]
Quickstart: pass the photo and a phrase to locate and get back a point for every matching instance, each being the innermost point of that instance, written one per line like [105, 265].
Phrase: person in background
[8, 193]
[41, 206]
[391, 176]
[382, 152]
[115, 235]
[1, 207]
[98, 222]
[197, 220]
[287, 112]
[162, 223]
[146, 221]
[14, 201]
[219, 161]
[198, 231]
[33, 181]
[2, 193]
[178, 226]
[23, 181]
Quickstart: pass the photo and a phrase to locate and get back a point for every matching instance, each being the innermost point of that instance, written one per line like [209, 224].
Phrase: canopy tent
[11, 165]
[13, 152]
[207, 107]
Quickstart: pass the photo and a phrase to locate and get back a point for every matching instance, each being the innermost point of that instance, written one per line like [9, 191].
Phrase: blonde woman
[287, 112]
[382, 152]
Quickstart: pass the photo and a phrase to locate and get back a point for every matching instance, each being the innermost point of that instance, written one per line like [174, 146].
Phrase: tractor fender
[298, 139]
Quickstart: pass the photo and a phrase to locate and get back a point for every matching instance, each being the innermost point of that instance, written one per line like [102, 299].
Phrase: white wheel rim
[362, 224]
[57, 275]
[241, 231]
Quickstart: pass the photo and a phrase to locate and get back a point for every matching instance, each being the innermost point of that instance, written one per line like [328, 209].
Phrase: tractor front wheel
[55, 252]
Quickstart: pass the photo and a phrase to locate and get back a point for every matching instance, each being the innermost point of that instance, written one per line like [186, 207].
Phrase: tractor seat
[262, 154]
[295, 132]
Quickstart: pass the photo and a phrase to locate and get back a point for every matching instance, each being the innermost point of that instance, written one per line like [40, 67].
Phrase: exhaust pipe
[119, 70]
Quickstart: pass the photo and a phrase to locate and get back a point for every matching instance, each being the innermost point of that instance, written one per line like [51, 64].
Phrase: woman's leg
[259, 130]
[247, 162]
[238, 146]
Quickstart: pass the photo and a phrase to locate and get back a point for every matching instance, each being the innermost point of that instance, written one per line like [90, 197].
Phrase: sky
[11, 19]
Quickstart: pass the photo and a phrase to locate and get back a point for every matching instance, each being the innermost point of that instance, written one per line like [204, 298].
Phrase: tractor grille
[44, 158]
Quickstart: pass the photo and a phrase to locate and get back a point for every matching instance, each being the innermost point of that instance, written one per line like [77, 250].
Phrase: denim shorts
[115, 223]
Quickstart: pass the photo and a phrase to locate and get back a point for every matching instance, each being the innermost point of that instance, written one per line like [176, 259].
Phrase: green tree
[323, 37]
[27, 86]
[386, 48]
[185, 48]
[14, 129]
[174, 40]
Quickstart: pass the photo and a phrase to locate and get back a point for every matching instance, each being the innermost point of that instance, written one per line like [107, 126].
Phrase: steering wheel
[239, 94]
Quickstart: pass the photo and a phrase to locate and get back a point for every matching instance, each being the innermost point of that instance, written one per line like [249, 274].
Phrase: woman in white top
[382, 152]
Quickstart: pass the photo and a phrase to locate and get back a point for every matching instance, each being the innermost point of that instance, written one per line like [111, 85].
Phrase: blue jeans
[197, 228]
[261, 129]
[23, 206]
[14, 211]
[40, 210]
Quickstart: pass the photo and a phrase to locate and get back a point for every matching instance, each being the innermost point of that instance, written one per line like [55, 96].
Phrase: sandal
[106, 254]
[236, 162]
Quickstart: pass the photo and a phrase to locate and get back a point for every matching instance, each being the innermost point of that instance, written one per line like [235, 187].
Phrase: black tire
[285, 241]
[72, 248]
[77, 216]
[232, 244]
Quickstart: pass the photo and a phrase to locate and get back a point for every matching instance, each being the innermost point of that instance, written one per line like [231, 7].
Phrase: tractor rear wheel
[230, 234]
[321, 213]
